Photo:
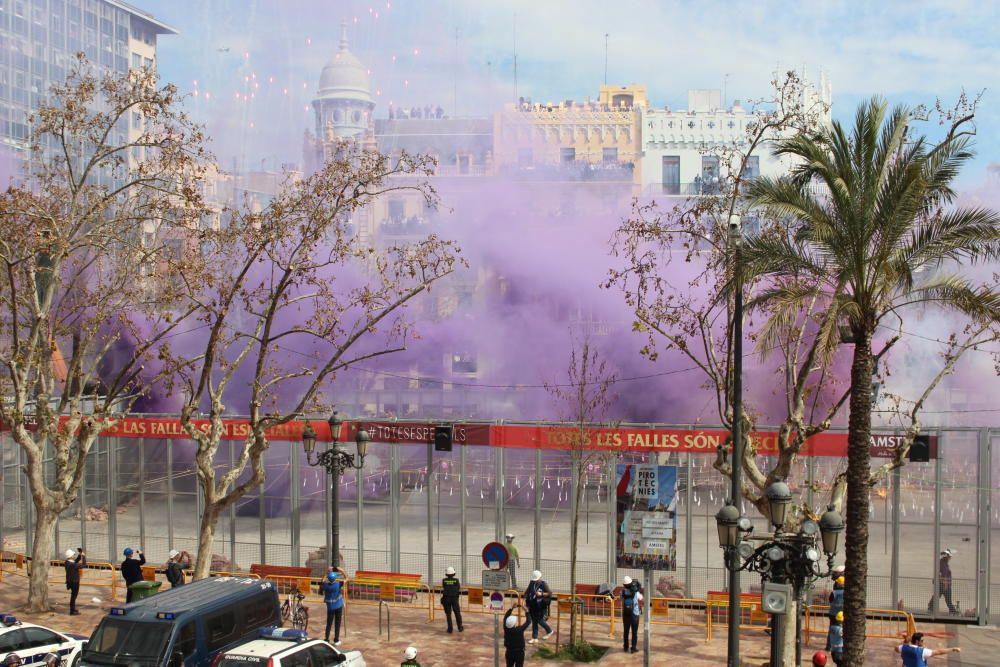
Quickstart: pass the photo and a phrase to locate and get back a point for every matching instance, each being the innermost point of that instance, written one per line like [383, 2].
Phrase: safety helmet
[174, 553]
[510, 622]
[128, 552]
[12, 659]
[819, 659]
[69, 553]
[627, 580]
[51, 660]
[450, 571]
[839, 569]
[840, 580]
[840, 616]
[331, 576]
[410, 653]
[536, 575]
[948, 552]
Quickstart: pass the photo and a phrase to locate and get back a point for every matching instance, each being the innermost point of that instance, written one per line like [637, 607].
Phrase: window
[609, 154]
[324, 656]
[396, 210]
[186, 639]
[463, 363]
[301, 658]
[524, 157]
[751, 169]
[136, 61]
[671, 175]
[221, 629]
[136, 120]
[709, 174]
[38, 637]
[463, 164]
[261, 612]
[12, 641]
[147, 63]
[567, 154]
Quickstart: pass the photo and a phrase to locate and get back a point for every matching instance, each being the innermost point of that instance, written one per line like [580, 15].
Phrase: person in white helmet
[451, 594]
[513, 559]
[630, 619]
[175, 568]
[410, 657]
[75, 561]
[513, 637]
[538, 595]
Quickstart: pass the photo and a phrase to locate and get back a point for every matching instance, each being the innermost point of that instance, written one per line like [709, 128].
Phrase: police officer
[410, 655]
[451, 592]
[52, 660]
[835, 638]
[513, 638]
[836, 602]
[333, 596]
[12, 660]
[131, 569]
[75, 561]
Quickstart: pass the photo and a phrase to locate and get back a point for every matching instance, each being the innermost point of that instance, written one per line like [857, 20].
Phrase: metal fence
[415, 510]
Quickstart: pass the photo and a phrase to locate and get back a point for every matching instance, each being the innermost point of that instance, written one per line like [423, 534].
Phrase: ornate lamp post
[337, 462]
[735, 232]
[783, 558]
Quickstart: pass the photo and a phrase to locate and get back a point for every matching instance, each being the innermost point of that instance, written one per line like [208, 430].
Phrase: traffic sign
[496, 580]
[495, 556]
[496, 602]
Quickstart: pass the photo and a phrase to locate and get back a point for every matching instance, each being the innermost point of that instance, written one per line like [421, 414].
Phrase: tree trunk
[41, 552]
[858, 472]
[574, 531]
[206, 539]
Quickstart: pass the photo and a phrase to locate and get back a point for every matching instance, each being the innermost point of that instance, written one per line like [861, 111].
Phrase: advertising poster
[646, 516]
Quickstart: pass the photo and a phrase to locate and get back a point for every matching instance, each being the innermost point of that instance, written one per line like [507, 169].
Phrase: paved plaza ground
[474, 647]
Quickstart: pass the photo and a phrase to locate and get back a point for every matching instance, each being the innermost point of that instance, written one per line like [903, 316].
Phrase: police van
[185, 626]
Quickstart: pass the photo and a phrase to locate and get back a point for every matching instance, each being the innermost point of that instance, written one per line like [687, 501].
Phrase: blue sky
[459, 54]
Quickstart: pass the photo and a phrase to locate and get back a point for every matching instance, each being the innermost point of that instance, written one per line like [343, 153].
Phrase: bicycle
[293, 611]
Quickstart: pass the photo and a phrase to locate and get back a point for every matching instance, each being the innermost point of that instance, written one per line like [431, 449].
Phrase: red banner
[523, 436]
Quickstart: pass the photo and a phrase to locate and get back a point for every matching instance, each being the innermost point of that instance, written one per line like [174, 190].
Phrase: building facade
[38, 41]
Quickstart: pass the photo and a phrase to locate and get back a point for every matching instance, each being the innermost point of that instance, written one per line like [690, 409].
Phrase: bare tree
[83, 300]
[584, 400]
[290, 296]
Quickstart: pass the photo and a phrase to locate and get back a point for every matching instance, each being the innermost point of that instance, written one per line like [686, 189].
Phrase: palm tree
[868, 227]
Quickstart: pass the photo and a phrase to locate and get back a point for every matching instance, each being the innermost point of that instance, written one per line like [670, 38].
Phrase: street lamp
[782, 557]
[735, 236]
[337, 462]
[779, 497]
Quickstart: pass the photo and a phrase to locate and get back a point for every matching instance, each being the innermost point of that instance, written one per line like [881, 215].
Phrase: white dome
[344, 77]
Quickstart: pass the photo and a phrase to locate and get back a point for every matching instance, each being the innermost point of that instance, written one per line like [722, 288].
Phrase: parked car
[184, 627]
[32, 642]
[286, 647]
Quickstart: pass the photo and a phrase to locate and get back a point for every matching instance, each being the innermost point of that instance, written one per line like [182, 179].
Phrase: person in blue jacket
[333, 596]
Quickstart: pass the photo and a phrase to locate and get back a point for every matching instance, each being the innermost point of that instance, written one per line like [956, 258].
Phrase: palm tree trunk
[858, 472]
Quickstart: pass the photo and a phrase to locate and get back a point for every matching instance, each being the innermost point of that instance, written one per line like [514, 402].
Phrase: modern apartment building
[39, 39]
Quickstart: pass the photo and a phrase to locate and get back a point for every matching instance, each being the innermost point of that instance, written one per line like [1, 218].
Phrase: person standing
[513, 559]
[410, 657]
[333, 596]
[131, 569]
[835, 638]
[75, 561]
[513, 638]
[175, 569]
[944, 583]
[836, 603]
[451, 594]
[630, 620]
[538, 594]
[915, 655]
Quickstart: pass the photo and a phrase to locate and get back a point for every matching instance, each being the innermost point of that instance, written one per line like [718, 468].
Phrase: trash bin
[143, 589]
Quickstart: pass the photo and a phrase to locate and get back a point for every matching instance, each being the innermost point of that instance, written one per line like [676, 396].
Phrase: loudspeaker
[920, 450]
[774, 598]
[442, 438]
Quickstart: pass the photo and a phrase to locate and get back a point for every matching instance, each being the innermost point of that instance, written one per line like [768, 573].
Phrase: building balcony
[573, 171]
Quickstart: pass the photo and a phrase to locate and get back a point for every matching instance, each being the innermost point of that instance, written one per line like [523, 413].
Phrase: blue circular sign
[494, 552]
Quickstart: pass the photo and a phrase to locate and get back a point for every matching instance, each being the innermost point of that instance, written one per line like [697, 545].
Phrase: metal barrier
[475, 601]
[684, 612]
[95, 574]
[388, 620]
[404, 593]
[751, 616]
[881, 623]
